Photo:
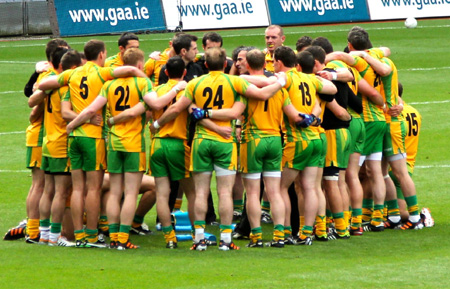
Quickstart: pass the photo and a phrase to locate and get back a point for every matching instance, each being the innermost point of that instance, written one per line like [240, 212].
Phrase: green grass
[392, 259]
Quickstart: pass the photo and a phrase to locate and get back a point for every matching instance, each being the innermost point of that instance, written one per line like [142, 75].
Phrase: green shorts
[169, 157]
[208, 153]
[34, 157]
[358, 133]
[394, 139]
[323, 153]
[126, 162]
[374, 137]
[338, 148]
[87, 154]
[397, 184]
[301, 154]
[261, 155]
[55, 166]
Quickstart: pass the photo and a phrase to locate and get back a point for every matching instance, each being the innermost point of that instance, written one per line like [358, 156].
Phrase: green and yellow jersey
[215, 90]
[85, 83]
[153, 67]
[389, 90]
[122, 94]
[177, 128]
[114, 61]
[413, 123]
[303, 95]
[264, 118]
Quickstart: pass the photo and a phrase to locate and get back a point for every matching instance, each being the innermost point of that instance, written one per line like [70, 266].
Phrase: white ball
[411, 22]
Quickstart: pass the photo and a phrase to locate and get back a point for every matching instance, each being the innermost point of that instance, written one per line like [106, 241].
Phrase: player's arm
[379, 67]
[127, 71]
[354, 102]
[157, 103]
[338, 55]
[224, 131]
[327, 86]
[37, 112]
[371, 93]
[292, 113]
[386, 51]
[338, 110]
[36, 98]
[50, 83]
[171, 113]
[341, 74]
[223, 114]
[259, 81]
[87, 113]
[267, 91]
[127, 114]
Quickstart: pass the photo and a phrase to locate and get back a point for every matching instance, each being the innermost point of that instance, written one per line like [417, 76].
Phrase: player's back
[122, 94]
[85, 83]
[413, 123]
[215, 90]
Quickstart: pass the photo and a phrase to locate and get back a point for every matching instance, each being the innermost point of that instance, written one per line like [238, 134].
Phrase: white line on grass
[432, 166]
[240, 35]
[17, 62]
[430, 102]
[15, 171]
[11, 132]
[424, 68]
[10, 92]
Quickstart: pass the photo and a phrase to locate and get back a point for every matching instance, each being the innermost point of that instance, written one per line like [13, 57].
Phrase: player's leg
[253, 207]
[33, 199]
[62, 186]
[238, 197]
[45, 205]
[308, 185]
[146, 203]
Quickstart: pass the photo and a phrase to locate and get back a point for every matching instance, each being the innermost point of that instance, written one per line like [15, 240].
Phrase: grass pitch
[391, 259]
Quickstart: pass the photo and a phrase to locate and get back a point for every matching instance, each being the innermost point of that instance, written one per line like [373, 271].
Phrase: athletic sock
[44, 229]
[287, 231]
[238, 205]
[367, 210]
[169, 234]
[356, 218]
[33, 228]
[278, 232]
[306, 232]
[114, 232]
[265, 206]
[377, 215]
[103, 224]
[124, 233]
[225, 233]
[393, 210]
[92, 235]
[137, 221]
[346, 218]
[339, 223]
[199, 227]
[413, 208]
[80, 235]
[329, 218]
[177, 206]
[55, 232]
[256, 234]
[302, 222]
[321, 225]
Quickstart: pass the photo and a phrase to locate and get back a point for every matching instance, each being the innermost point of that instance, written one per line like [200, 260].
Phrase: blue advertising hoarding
[293, 12]
[85, 17]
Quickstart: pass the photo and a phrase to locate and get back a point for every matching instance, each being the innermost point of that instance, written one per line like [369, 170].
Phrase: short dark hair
[318, 53]
[52, 45]
[303, 42]
[183, 41]
[175, 67]
[359, 39]
[324, 43]
[125, 37]
[57, 55]
[70, 59]
[286, 55]
[306, 61]
[256, 59]
[215, 58]
[213, 37]
[92, 49]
